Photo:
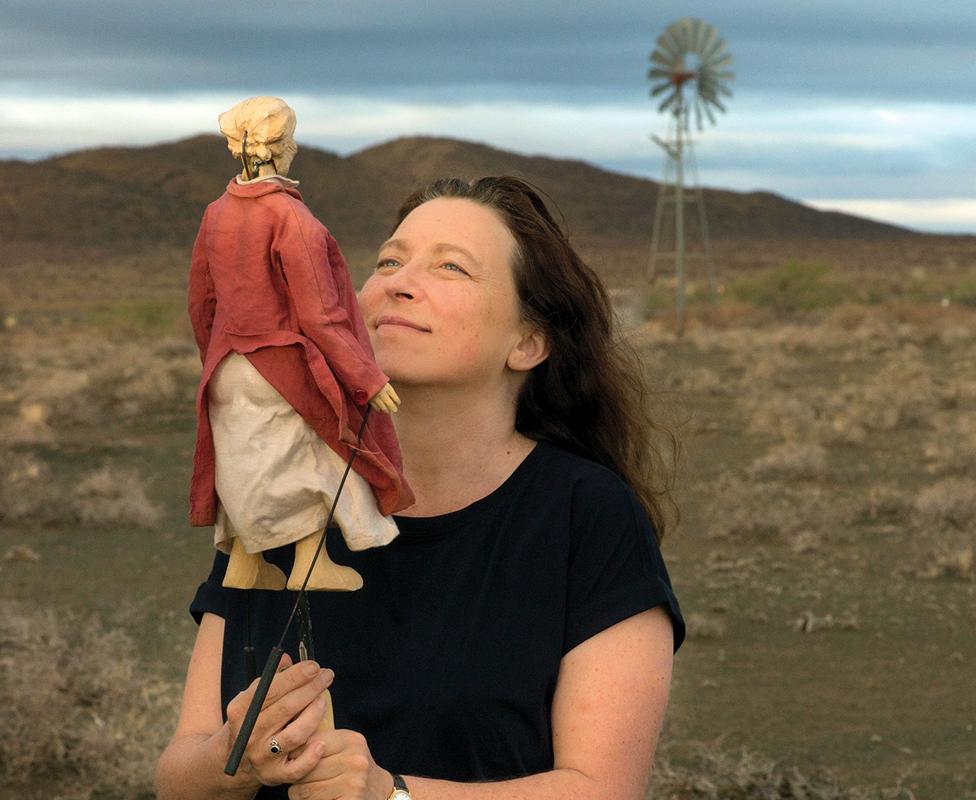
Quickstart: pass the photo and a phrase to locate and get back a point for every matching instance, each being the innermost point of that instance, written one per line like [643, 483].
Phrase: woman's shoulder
[591, 487]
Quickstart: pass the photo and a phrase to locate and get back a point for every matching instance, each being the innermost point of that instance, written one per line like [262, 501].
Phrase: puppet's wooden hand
[385, 400]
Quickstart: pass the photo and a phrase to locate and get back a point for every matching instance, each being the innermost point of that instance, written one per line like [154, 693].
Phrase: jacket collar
[259, 189]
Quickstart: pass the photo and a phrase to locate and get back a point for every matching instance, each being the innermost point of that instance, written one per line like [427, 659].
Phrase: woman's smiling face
[441, 306]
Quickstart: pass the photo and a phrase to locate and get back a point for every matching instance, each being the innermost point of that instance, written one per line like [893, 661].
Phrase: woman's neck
[457, 446]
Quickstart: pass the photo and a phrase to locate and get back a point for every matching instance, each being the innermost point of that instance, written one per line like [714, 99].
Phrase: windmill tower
[691, 67]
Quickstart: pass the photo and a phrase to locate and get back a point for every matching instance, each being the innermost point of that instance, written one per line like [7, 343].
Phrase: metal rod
[261, 692]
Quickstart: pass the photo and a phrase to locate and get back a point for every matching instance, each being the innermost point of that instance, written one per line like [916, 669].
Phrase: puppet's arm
[202, 299]
[304, 261]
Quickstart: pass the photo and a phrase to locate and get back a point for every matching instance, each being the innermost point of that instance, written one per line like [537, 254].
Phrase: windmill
[690, 67]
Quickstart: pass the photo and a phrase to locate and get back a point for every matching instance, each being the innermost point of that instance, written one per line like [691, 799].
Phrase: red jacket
[267, 280]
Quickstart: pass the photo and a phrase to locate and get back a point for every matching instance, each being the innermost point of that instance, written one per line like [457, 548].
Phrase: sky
[867, 106]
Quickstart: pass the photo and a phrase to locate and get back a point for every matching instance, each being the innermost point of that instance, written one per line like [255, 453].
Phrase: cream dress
[275, 477]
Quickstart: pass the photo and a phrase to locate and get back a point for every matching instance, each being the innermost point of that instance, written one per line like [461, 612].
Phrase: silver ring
[274, 746]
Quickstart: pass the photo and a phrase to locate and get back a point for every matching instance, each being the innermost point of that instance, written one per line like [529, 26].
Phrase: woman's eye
[387, 262]
[452, 267]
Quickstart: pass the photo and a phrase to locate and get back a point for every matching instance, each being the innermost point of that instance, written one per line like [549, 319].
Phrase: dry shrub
[792, 461]
[952, 448]
[26, 491]
[711, 773]
[950, 560]
[114, 496]
[698, 379]
[788, 418]
[704, 626]
[767, 367]
[951, 501]
[107, 496]
[886, 503]
[66, 384]
[80, 717]
[754, 512]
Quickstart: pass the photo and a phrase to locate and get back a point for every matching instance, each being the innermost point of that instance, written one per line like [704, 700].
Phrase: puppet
[287, 372]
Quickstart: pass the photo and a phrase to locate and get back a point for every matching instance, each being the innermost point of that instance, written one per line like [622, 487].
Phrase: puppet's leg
[250, 571]
[327, 575]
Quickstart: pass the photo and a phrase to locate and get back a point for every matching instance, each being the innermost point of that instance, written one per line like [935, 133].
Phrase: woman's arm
[607, 713]
[192, 765]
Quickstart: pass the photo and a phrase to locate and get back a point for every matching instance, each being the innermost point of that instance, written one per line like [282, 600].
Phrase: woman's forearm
[192, 768]
[559, 784]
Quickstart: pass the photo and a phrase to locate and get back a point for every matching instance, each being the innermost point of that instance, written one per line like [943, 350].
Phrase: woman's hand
[346, 770]
[385, 400]
[290, 715]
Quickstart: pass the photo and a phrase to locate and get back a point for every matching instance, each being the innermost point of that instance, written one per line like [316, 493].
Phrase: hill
[139, 197]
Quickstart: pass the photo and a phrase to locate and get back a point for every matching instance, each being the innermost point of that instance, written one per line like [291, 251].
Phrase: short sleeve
[616, 568]
[211, 595]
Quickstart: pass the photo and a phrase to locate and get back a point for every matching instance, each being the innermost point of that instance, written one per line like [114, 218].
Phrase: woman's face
[441, 307]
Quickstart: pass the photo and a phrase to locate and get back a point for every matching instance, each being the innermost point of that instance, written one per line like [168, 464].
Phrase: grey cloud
[898, 49]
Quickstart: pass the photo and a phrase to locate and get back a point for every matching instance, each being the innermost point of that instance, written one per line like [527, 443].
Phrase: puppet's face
[441, 307]
[284, 158]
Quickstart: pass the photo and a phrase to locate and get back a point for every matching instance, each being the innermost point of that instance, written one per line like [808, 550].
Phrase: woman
[516, 639]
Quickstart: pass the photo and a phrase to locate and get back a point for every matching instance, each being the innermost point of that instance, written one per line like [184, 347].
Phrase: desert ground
[825, 556]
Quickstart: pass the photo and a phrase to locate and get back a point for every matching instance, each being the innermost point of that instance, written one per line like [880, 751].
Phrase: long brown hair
[590, 395]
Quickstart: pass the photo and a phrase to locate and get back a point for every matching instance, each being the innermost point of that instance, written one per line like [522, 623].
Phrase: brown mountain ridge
[155, 195]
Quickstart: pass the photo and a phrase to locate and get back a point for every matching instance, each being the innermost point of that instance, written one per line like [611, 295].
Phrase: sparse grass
[711, 772]
[872, 549]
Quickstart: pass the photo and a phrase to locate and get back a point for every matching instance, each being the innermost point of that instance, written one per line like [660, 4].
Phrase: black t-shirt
[447, 658]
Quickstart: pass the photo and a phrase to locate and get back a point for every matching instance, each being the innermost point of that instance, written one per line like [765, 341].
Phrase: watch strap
[399, 785]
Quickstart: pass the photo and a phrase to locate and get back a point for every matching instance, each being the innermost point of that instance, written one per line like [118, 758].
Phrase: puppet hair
[269, 123]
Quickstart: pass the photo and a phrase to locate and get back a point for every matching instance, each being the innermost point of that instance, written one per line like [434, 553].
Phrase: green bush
[795, 286]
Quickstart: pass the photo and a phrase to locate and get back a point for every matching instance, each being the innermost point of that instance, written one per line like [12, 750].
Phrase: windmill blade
[724, 75]
[708, 39]
[717, 64]
[714, 50]
[681, 33]
[663, 60]
[699, 33]
[668, 103]
[658, 72]
[661, 87]
[668, 45]
[691, 36]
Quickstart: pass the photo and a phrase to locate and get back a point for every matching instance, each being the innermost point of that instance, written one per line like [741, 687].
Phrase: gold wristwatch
[400, 790]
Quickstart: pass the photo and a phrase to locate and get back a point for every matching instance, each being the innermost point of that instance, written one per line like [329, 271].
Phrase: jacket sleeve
[201, 298]
[304, 253]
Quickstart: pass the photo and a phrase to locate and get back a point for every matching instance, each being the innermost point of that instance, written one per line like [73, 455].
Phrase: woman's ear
[531, 350]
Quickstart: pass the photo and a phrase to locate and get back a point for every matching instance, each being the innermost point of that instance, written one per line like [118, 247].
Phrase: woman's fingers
[276, 716]
[289, 716]
[297, 733]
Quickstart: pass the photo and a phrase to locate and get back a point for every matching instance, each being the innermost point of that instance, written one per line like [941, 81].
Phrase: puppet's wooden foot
[250, 571]
[327, 576]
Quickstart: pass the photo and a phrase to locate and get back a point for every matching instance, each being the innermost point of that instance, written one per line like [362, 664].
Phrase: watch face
[399, 794]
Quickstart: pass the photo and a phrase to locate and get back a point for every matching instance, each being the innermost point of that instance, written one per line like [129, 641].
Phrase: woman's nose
[401, 284]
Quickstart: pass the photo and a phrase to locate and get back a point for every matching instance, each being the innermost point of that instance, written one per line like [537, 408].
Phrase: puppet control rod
[274, 658]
